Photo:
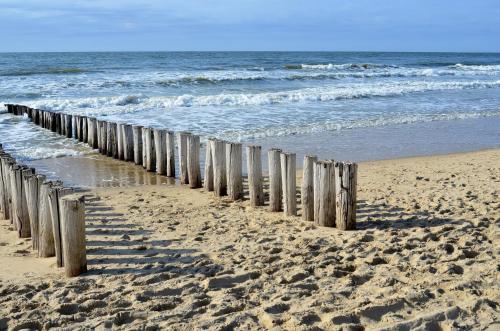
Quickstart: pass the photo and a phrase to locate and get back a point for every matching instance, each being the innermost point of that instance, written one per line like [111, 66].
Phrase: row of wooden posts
[328, 190]
[51, 214]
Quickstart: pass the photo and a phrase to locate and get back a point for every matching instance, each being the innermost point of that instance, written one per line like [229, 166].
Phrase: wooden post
[85, 129]
[254, 165]
[111, 146]
[2, 192]
[58, 123]
[275, 189]
[160, 142]
[68, 126]
[36, 116]
[144, 153]
[73, 235]
[128, 142]
[21, 217]
[55, 193]
[103, 127]
[80, 128]
[307, 188]
[98, 125]
[33, 189]
[182, 150]
[5, 162]
[218, 149]
[93, 141]
[324, 193]
[150, 150]
[89, 132]
[208, 178]
[234, 164]
[193, 161]
[345, 195]
[170, 153]
[46, 246]
[74, 124]
[120, 138]
[63, 126]
[137, 136]
[12, 191]
[288, 182]
[53, 122]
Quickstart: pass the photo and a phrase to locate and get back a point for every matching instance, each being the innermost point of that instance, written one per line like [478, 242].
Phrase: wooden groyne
[39, 208]
[44, 211]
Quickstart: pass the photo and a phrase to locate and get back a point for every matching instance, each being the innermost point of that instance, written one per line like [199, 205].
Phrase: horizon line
[247, 51]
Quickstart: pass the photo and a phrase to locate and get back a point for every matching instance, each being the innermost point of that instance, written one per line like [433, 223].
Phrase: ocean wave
[44, 71]
[132, 103]
[304, 129]
[344, 66]
[475, 67]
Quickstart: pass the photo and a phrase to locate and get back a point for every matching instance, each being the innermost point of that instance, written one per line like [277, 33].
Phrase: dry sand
[167, 257]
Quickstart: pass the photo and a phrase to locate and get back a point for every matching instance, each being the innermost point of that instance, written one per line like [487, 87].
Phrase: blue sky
[133, 25]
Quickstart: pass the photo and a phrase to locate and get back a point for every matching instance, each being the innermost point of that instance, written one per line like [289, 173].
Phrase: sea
[343, 105]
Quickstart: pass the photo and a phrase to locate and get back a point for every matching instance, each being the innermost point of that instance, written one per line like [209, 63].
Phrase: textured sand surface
[425, 256]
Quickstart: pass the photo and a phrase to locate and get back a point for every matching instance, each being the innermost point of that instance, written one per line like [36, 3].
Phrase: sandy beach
[167, 257]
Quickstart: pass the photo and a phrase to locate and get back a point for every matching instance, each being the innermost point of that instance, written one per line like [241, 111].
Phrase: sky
[243, 25]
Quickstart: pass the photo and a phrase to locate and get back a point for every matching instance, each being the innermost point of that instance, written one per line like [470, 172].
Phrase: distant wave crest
[43, 71]
[344, 66]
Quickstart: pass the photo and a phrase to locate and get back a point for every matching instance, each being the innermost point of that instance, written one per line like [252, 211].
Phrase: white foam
[132, 103]
[350, 124]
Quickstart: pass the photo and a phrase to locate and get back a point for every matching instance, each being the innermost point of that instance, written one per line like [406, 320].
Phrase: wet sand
[166, 257]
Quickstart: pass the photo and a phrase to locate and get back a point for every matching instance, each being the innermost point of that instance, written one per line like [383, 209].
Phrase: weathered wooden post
[46, 246]
[103, 126]
[324, 193]
[10, 164]
[55, 193]
[69, 126]
[288, 181]
[208, 178]
[53, 121]
[73, 235]
[74, 124]
[218, 149]
[160, 141]
[80, 128]
[5, 161]
[128, 142]
[255, 185]
[58, 123]
[93, 134]
[345, 195]
[170, 153]
[20, 207]
[2, 191]
[112, 145]
[182, 150]
[137, 136]
[120, 138]
[85, 130]
[36, 116]
[234, 164]
[32, 192]
[307, 188]
[193, 161]
[275, 189]
[150, 150]
[144, 153]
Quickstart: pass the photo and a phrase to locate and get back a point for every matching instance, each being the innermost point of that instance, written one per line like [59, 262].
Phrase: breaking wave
[132, 103]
